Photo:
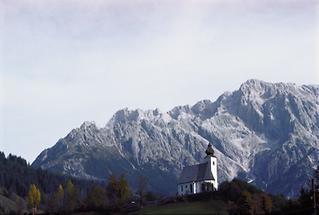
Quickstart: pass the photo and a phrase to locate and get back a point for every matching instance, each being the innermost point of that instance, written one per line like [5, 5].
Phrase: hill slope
[264, 132]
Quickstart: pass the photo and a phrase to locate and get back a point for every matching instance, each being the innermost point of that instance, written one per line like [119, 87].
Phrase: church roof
[197, 172]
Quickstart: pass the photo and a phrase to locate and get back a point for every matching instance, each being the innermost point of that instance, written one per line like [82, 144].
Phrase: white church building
[201, 177]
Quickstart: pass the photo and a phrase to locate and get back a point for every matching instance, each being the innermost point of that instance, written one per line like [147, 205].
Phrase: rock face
[263, 132]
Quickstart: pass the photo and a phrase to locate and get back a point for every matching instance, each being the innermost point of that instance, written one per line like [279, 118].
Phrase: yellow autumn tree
[71, 196]
[111, 188]
[96, 197]
[60, 196]
[266, 203]
[123, 191]
[56, 199]
[118, 190]
[33, 198]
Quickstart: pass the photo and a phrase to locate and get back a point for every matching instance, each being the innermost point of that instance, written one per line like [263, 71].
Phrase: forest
[27, 190]
[24, 190]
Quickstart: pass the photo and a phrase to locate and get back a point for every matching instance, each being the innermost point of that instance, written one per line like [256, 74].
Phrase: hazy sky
[63, 62]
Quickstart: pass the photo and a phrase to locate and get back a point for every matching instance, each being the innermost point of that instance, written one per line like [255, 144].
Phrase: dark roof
[197, 172]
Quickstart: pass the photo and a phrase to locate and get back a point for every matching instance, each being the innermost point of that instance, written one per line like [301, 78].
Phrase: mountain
[266, 133]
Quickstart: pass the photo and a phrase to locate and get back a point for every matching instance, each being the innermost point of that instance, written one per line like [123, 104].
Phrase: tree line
[16, 176]
[56, 194]
[110, 197]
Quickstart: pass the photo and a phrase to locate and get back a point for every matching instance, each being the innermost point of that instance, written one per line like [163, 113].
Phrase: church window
[203, 187]
[191, 187]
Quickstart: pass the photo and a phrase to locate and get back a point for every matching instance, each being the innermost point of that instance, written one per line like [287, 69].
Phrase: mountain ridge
[262, 132]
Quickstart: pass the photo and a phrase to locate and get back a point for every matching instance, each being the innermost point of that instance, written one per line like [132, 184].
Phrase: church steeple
[211, 161]
[210, 151]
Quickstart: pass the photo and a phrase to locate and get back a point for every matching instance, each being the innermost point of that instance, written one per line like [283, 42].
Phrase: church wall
[214, 171]
[187, 188]
[213, 166]
[199, 185]
[193, 187]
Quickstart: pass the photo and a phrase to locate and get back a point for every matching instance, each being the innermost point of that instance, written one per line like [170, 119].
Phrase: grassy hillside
[206, 207]
[233, 198]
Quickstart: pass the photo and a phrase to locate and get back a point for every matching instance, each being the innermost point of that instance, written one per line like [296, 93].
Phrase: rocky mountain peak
[137, 115]
[254, 88]
[86, 125]
[179, 110]
[262, 132]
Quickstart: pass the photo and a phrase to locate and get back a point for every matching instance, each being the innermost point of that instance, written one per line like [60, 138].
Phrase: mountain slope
[264, 132]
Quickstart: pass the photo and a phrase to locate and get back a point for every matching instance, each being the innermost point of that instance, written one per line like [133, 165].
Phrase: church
[201, 177]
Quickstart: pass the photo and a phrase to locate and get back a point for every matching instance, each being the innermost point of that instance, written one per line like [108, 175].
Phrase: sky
[63, 62]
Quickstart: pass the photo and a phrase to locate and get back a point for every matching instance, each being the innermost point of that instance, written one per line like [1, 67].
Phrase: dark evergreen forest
[16, 175]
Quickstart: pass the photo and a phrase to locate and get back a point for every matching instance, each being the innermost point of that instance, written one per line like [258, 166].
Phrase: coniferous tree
[51, 204]
[20, 205]
[111, 188]
[96, 197]
[245, 203]
[141, 189]
[305, 198]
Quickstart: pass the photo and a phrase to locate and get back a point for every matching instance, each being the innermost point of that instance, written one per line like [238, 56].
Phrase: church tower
[212, 163]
